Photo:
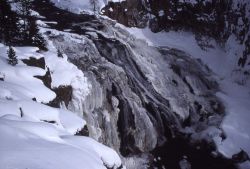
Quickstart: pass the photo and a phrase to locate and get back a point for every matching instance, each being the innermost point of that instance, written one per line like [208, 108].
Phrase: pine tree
[34, 37]
[12, 58]
[95, 4]
[9, 27]
[59, 53]
[24, 9]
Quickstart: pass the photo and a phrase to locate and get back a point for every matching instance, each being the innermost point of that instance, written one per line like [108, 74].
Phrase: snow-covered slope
[79, 6]
[34, 135]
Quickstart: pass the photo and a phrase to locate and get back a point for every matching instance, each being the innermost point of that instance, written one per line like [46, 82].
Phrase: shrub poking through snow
[2, 76]
[59, 53]
[12, 58]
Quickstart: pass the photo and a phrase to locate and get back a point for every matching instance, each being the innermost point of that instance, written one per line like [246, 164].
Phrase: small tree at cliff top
[12, 58]
[59, 53]
[95, 4]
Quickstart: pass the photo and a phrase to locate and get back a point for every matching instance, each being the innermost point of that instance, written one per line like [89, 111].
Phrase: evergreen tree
[12, 58]
[59, 53]
[34, 37]
[9, 28]
[95, 4]
[24, 9]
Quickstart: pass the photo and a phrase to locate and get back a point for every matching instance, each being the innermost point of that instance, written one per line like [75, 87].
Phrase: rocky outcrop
[63, 96]
[46, 79]
[142, 97]
[83, 132]
[35, 62]
[201, 17]
[206, 19]
[130, 13]
[40, 62]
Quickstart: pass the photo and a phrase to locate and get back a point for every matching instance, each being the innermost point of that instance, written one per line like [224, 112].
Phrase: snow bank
[39, 145]
[78, 6]
[36, 112]
[236, 124]
[108, 156]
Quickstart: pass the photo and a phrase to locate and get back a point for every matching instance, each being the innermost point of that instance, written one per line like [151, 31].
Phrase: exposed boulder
[46, 79]
[63, 96]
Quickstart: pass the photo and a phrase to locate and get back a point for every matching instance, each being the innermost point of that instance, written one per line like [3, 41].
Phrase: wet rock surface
[144, 100]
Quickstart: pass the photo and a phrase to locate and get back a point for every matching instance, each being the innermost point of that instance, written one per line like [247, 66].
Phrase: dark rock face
[207, 19]
[35, 62]
[142, 97]
[83, 132]
[196, 156]
[63, 94]
[132, 111]
[240, 157]
[202, 17]
[2, 77]
[130, 13]
[46, 79]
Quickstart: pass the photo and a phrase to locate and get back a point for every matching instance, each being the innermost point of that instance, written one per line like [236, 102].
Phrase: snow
[9, 107]
[37, 136]
[36, 14]
[111, 9]
[34, 135]
[71, 122]
[161, 13]
[41, 146]
[78, 6]
[106, 154]
[236, 124]
[19, 82]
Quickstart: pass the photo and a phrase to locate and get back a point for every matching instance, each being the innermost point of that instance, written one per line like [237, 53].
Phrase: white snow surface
[21, 147]
[79, 6]
[34, 135]
[19, 81]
